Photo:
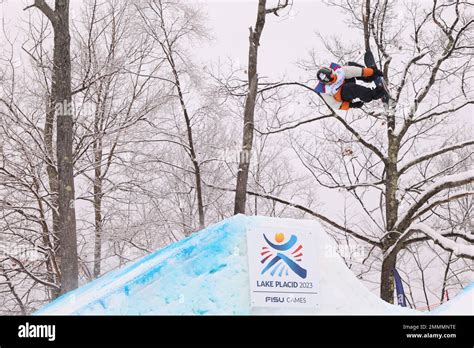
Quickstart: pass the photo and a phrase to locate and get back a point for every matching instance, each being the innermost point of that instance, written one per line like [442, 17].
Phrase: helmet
[325, 75]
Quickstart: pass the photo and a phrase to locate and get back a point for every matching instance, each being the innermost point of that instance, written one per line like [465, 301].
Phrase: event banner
[282, 267]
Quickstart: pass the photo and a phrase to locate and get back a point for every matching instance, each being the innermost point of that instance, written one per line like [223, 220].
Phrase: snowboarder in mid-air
[338, 87]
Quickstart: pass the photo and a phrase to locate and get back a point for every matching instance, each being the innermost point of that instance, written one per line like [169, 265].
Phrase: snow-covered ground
[207, 273]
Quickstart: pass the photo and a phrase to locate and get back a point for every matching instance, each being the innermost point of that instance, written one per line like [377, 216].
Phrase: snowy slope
[462, 304]
[207, 273]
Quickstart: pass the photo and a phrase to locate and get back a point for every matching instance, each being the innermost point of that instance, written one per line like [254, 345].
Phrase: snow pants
[351, 90]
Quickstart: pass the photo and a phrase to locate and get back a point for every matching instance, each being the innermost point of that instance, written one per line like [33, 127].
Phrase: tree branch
[359, 138]
[308, 211]
[430, 155]
[43, 282]
[442, 201]
[460, 250]
[296, 125]
[447, 182]
[45, 8]
[464, 236]
[279, 7]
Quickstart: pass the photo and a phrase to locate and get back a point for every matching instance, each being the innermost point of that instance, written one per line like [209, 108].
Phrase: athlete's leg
[351, 91]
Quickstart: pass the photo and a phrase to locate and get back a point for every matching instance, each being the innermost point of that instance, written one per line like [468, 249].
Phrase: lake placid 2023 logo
[283, 256]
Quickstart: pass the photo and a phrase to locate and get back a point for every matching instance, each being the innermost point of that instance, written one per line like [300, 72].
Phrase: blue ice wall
[204, 273]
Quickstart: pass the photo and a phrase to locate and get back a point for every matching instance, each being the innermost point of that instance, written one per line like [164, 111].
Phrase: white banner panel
[282, 267]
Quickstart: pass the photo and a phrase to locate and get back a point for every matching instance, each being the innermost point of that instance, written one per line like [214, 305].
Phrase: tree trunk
[97, 146]
[192, 150]
[387, 284]
[53, 184]
[391, 213]
[366, 20]
[445, 276]
[391, 204]
[64, 137]
[98, 229]
[249, 112]
[51, 265]
[168, 50]
[197, 168]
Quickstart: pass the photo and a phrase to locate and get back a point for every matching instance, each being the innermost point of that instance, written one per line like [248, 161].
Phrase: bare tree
[159, 20]
[26, 202]
[62, 96]
[249, 111]
[118, 97]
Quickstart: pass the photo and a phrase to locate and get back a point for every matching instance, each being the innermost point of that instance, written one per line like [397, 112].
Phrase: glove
[377, 72]
[356, 105]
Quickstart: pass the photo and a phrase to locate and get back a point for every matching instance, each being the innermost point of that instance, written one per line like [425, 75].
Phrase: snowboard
[369, 61]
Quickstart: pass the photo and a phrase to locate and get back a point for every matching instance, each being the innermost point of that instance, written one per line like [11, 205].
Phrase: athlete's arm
[333, 103]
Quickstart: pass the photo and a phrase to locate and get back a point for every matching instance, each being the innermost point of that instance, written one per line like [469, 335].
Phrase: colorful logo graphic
[280, 257]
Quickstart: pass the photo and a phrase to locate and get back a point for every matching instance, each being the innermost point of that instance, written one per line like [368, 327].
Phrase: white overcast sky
[284, 41]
